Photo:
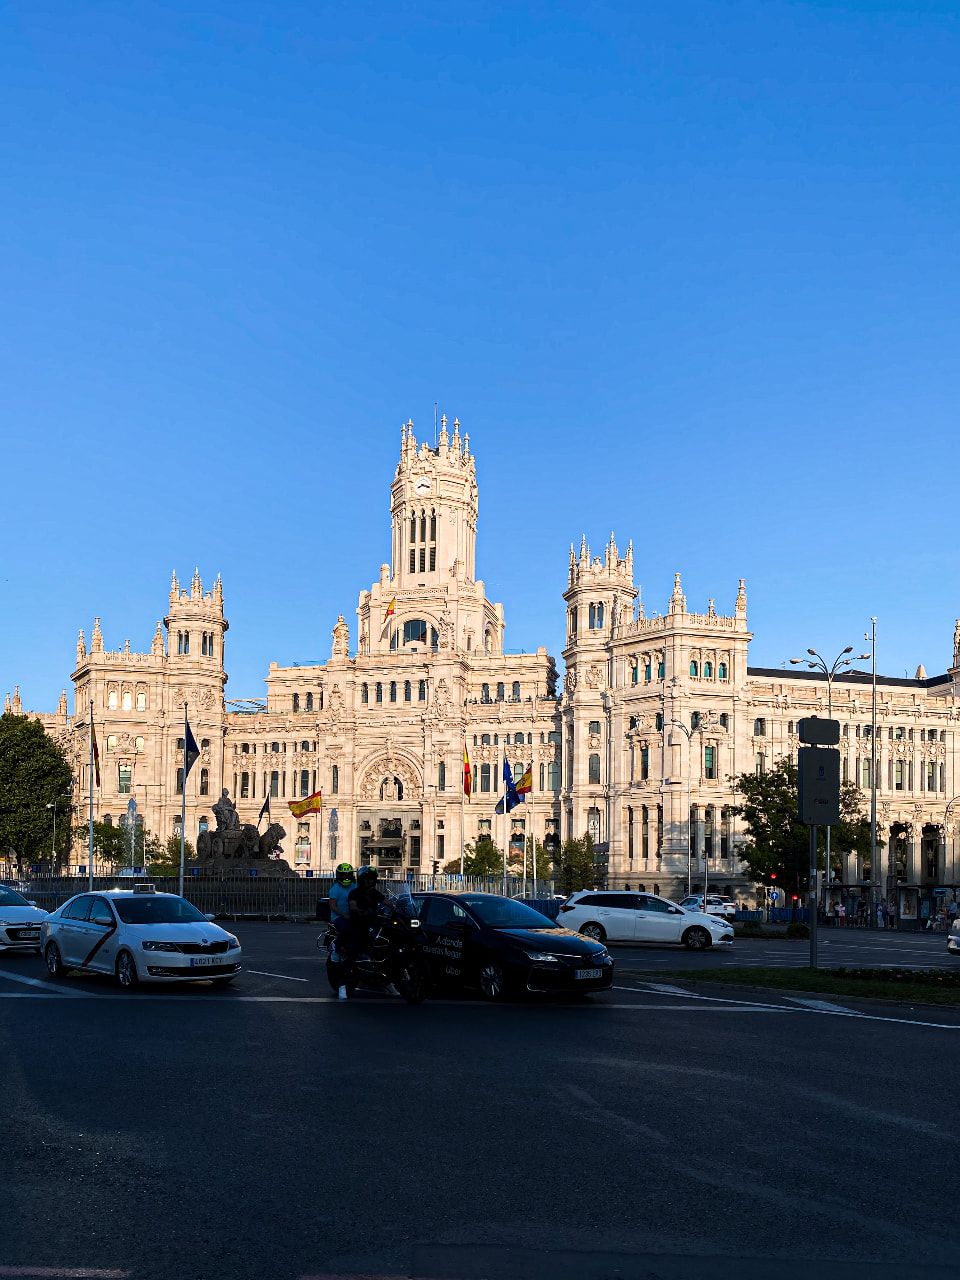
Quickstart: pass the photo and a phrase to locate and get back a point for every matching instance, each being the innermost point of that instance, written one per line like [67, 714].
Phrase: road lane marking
[262, 973]
[66, 1273]
[824, 1006]
[42, 983]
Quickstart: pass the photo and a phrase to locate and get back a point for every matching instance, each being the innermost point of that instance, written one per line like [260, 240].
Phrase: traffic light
[773, 875]
[436, 866]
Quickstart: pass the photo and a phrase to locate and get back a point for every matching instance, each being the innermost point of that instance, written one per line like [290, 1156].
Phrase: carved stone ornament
[446, 632]
[441, 700]
[341, 641]
[595, 676]
[570, 681]
[389, 766]
[336, 704]
[179, 697]
[206, 699]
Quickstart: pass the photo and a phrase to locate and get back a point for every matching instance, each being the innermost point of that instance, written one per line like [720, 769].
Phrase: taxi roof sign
[817, 732]
[144, 888]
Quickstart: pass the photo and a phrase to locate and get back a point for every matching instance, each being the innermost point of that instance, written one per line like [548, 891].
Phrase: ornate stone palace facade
[656, 717]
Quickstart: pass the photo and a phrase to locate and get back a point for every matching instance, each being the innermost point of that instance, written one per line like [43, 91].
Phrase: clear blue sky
[688, 271]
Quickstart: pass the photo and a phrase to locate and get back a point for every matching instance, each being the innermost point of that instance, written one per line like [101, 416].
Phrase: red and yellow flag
[391, 609]
[524, 784]
[309, 804]
[467, 774]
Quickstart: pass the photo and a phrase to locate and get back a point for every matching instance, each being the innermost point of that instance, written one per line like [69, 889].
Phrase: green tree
[164, 859]
[577, 864]
[34, 774]
[778, 842]
[480, 859]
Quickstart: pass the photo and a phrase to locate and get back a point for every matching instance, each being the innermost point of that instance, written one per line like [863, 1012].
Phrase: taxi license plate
[197, 961]
[588, 973]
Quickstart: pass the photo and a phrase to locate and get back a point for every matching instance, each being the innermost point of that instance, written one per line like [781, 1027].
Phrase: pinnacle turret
[81, 647]
[96, 638]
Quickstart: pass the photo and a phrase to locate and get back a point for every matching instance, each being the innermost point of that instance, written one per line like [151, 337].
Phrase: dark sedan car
[504, 947]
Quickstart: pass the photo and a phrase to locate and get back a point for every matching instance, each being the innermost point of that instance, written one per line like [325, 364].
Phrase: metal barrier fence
[260, 897]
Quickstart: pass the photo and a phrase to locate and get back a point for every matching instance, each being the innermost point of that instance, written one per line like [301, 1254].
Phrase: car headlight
[159, 946]
[232, 942]
[542, 957]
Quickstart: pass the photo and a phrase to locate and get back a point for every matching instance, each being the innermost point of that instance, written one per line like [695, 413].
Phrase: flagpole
[183, 800]
[503, 780]
[463, 796]
[90, 832]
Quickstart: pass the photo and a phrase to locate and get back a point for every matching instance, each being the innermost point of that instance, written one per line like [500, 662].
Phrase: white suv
[641, 917]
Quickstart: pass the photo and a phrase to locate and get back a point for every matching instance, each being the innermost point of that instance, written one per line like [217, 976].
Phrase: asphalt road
[266, 1131]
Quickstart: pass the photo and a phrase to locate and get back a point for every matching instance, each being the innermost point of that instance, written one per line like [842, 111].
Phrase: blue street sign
[253, 871]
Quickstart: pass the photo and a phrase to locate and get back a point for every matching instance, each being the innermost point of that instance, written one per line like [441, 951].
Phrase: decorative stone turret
[741, 606]
[156, 648]
[96, 639]
[678, 601]
[17, 704]
[81, 648]
[62, 705]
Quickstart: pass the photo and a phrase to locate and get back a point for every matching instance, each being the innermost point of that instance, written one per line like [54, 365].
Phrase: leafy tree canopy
[777, 842]
[33, 774]
[576, 864]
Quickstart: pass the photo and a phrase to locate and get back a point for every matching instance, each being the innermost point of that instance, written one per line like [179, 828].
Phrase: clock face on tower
[422, 487]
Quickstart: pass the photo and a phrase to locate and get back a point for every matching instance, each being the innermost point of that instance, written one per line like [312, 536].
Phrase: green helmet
[344, 873]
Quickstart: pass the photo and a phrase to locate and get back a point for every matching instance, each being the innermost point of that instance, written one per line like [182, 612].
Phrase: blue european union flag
[510, 798]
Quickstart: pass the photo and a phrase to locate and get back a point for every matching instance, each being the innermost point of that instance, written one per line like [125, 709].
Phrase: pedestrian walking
[881, 915]
[841, 915]
[952, 910]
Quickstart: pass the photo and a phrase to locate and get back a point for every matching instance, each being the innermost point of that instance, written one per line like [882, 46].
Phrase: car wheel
[696, 939]
[493, 982]
[594, 931]
[126, 971]
[54, 960]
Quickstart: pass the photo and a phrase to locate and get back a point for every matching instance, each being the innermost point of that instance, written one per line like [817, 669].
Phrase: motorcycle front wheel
[411, 980]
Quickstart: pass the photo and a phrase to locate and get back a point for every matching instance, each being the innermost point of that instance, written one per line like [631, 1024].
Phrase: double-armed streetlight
[52, 804]
[817, 662]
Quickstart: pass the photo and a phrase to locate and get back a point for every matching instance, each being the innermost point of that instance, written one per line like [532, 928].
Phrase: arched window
[485, 739]
[573, 621]
[304, 745]
[112, 700]
[379, 692]
[694, 668]
[634, 671]
[304, 782]
[760, 728]
[515, 694]
[422, 691]
[594, 768]
[179, 783]
[592, 618]
[245, 749]
[407, 691]
[186, 642]
[309, 702]
[108, 819]
[364, 693]
[141, 699]
[708, 671]
[415, 631]
[204, 782]
[553, 775]
[599, 617]
[393, 690]
[500, 690]
[127, 702]
[722, 671]
[661, 669]
[296, 702]
[647, 671]
[275, 747]
[274, 783]
[517, 738]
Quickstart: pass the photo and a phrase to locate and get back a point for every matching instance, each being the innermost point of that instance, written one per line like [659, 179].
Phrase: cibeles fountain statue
[235, 847]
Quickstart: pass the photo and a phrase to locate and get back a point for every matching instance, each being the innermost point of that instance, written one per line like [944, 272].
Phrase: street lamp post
[816, 662]
[53, 846]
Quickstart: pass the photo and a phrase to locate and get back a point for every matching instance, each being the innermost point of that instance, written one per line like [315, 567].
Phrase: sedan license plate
[589, 973]
[197, 961]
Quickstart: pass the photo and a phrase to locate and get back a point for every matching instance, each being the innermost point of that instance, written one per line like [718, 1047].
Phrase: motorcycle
[393, 956]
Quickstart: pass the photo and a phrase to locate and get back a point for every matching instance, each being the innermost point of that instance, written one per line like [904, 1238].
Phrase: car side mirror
[676, 911]
[208, 915]
[31, 902]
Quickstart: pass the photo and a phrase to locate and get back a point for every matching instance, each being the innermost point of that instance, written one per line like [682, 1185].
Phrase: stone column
[914, 833]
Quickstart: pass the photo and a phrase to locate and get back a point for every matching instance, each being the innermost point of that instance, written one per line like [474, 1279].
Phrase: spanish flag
[467, 774]
[524, 785]
[391, 609]
[310, 804]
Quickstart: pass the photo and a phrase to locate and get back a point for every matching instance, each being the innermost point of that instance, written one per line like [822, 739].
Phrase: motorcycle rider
[343, 885]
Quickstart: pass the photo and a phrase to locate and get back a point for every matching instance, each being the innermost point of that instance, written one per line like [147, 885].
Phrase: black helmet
[367, 876]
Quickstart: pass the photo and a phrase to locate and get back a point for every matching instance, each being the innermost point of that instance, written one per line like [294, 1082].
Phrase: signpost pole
[812, 898]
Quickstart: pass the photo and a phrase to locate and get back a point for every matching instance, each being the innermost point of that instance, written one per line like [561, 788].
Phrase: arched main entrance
[389, 815]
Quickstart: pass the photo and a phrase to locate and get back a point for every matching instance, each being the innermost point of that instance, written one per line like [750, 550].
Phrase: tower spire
[81, 647]
[678, 601]
[741, 609]
[96, 638]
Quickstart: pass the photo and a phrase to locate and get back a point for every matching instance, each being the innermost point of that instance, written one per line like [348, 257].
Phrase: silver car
[19, 921]
[138, 935]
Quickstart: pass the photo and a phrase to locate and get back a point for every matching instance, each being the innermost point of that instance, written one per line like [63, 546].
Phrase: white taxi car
[641, 917]
[138, 935]
[19, 921]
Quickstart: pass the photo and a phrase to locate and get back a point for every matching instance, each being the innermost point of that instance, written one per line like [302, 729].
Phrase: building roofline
[851, 677]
